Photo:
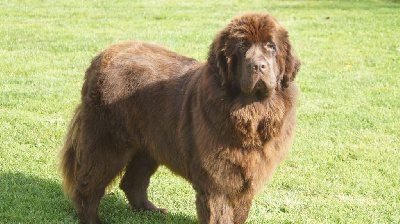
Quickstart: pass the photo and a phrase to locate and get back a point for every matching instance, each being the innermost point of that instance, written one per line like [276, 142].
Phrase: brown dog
[223, 125]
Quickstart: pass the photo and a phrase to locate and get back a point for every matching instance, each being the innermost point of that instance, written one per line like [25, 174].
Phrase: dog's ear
[218, 59]
[289, 63]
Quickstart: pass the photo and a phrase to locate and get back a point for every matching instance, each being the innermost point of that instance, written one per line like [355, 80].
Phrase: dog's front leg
[241, 207]
[214, 209]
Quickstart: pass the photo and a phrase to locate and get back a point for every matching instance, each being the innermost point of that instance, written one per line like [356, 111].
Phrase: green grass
[345, 162]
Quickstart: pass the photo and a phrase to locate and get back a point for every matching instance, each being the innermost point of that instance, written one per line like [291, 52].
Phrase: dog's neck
[255, 123]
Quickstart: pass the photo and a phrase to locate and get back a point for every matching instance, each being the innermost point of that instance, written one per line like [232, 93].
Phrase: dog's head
[253, 54]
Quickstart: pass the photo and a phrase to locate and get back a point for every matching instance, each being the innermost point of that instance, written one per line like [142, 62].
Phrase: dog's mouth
[260, 90]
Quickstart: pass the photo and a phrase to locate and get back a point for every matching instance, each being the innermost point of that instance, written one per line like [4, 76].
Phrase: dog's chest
[235, 170]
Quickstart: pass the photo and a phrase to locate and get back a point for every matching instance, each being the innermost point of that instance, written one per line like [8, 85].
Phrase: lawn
[344, 166]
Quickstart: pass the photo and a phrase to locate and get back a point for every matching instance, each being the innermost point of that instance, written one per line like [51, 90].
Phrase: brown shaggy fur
[223, 125]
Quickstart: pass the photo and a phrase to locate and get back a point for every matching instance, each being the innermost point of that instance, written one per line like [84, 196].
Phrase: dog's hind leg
[136, 181]
[100, 162]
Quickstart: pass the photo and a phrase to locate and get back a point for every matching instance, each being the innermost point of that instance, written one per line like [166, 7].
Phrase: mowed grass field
[344, 166]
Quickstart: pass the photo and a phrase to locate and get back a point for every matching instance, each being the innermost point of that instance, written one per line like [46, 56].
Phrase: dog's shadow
[30, 199]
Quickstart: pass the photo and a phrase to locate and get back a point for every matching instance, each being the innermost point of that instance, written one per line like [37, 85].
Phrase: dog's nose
[259, 66]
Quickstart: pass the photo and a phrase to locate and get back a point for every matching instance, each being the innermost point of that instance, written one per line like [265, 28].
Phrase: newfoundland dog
[224, 125]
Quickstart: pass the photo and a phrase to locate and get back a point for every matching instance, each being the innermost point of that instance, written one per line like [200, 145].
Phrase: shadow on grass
[29, 199]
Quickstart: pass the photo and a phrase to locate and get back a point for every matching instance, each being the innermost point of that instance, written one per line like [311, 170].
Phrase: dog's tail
[69, 154]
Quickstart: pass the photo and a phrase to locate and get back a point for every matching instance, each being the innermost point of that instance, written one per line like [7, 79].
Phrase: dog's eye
[243, 47]
[271, 46]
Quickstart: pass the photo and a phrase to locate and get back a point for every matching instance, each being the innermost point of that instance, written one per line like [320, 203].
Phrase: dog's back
[123, 68]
